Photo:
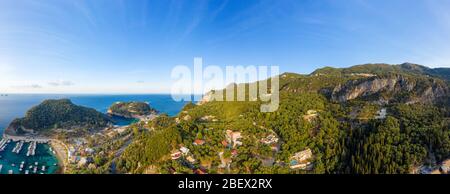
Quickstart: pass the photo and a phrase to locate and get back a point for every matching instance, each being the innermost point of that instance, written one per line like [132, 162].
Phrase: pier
[18, 147]
[4, 143]
[32, 148]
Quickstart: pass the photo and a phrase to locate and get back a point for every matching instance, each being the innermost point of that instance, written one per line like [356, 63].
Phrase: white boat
[1, 166]
[27, 172]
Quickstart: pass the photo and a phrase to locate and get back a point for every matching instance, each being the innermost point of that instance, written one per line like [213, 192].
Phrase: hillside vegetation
[59, 114]
[335, 113]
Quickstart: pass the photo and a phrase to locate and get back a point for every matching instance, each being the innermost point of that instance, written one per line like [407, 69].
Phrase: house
[445, 166]
[184, 150]
[89, 150]
[208, 118]
[199, 142]
[83, 162]
[301, 160]
[275, 147]
[224, 162]
[233, 137]
[191, 159]
[187, 118]
[199, 171]
[381, 114]
[175, 155]
[270, 139]
[310, 115]
[234, 152]
[71, 152]
[225, 143]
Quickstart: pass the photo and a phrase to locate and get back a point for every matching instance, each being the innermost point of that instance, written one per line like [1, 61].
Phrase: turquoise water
[43, 156]
[15, 106]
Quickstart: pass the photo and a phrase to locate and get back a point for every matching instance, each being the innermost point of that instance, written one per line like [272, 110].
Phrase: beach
[61, 154]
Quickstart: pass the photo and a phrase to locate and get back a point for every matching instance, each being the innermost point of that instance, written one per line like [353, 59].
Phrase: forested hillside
[373, 118]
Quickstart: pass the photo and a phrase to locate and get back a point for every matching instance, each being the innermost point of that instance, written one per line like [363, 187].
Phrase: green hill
[59, 114]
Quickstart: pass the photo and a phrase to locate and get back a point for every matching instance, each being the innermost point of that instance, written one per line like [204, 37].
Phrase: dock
[18, 147]
[3, 144]
[32, 148]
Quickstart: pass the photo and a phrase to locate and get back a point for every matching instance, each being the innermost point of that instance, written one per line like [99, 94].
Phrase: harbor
[26, 156]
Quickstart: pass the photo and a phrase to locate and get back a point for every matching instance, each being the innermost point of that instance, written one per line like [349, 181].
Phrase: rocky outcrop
[206, 98]
[397, 88]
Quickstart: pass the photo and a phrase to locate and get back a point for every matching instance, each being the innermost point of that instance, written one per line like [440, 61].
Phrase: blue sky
[131, 46]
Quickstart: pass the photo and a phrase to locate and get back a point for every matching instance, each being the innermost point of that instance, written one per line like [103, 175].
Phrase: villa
[176, 155]
[233, 138]
[198, 142]
[301, 160]
[270, 139]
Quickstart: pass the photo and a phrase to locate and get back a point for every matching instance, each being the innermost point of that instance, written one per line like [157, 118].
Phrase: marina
[37, 159]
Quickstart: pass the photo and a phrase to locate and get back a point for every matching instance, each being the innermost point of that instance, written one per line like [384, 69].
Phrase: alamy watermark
[263, 85]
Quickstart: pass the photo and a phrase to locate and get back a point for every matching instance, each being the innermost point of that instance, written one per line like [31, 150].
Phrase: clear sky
[131, 46]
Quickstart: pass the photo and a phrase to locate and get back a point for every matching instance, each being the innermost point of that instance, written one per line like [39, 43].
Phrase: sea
[15, 106]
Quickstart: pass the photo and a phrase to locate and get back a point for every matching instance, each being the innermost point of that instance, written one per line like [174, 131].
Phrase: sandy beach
[61, 153]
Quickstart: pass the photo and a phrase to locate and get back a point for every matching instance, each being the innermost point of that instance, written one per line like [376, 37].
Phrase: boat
[1, 166]
[22, 164]
[10, 172]
[27, 172]
[43, 168]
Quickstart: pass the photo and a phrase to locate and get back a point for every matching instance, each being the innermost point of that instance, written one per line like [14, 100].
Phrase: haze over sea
[15, 105]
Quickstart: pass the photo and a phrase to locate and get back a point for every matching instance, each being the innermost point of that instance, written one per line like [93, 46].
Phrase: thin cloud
[61, 83]
[31, 86]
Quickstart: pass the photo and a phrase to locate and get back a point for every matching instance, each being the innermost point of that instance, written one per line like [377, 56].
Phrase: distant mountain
[131, 109]
[381, 83]
[58, 114]
[386, 69]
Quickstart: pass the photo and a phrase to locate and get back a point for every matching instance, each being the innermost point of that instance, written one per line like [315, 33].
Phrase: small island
[132, 110]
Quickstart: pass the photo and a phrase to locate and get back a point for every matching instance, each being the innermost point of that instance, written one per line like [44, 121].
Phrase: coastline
[61, 153]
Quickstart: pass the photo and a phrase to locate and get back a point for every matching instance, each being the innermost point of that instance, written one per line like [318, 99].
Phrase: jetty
[18, 147]
[4, 143]
[32, 148]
